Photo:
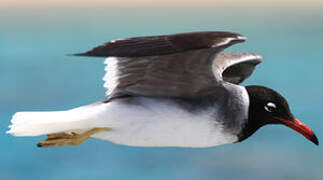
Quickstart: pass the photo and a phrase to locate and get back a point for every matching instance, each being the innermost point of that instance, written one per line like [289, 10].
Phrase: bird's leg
[69, 139]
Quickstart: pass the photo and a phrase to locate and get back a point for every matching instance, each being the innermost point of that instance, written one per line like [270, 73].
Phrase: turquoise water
[36, 74]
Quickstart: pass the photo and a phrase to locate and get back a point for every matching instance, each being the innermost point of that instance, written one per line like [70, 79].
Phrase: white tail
[42, 123]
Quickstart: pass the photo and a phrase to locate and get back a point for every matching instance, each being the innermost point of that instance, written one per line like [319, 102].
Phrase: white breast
[161, 122]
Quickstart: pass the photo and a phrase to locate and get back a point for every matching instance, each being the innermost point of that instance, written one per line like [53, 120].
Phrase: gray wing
[235, 67]
[180, 65]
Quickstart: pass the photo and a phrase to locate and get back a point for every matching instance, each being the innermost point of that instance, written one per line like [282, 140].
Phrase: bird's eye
[270, 107]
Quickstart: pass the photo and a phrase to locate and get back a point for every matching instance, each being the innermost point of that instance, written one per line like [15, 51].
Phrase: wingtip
[77, 54]
[260, 58]
[242, 38]
[257, 59]
[87, 54]
[230, 34]
[236, 37]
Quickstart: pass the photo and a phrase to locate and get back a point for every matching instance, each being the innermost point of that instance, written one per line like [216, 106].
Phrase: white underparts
[149, 122]
[162, 123]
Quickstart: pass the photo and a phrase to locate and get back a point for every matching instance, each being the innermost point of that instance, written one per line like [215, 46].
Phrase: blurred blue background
[36, 75]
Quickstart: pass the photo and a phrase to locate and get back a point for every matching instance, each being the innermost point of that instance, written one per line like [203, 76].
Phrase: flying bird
[174, 90]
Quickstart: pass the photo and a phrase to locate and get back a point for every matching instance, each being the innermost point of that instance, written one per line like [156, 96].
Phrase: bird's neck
[251, 126]
[255, 120]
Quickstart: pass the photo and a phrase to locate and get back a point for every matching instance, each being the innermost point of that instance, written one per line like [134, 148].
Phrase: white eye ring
[270, 107]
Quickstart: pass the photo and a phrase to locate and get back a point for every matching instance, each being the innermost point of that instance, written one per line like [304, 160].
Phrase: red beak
[300, 127]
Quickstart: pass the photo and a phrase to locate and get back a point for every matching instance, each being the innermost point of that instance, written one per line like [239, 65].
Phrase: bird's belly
[161, 123]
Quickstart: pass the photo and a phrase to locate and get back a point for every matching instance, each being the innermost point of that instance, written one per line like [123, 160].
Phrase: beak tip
[314, 140]
[300, 127]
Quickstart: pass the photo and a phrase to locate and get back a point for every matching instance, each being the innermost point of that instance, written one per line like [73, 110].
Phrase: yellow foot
[69, 139]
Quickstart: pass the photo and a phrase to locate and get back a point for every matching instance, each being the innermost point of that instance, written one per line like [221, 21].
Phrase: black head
[269, 107]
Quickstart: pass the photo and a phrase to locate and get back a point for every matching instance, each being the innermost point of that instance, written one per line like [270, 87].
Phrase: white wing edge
[111, 76]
